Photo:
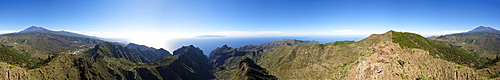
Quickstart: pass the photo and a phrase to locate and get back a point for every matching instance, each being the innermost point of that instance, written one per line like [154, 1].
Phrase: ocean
[207, 44]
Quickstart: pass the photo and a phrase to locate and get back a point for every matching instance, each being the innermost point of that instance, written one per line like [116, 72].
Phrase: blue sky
[156, 22]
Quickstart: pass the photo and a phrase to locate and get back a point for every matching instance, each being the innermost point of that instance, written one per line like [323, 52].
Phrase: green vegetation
[483, 41]
[60, 66]
[115, 62]
[422, 77]
[460, 56]
[486, 43]
[108, 49]
[492, 62]
[343, 69]
[284, 59]
[18, 58]
[47, 42]
[277, 43]
[225, 60]
[316, 61]
[340, 43]
[403, 75]
[10, 66]
[188, 63]
[248, 70]
[132, 54]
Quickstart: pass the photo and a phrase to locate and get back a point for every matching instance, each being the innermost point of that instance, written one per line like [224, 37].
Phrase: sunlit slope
[225, 60]
[18, 58]
[41, 42]
[375, 57]
[484, 40]
[248, 70]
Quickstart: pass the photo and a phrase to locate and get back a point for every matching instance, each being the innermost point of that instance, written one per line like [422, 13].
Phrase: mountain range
[39, 53]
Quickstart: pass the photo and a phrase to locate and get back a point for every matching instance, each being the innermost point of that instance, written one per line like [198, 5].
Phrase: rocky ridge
[390, 62]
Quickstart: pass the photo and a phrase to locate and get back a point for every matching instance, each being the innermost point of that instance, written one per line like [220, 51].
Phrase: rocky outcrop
[11, 72]
[375, 57]
[388, 61]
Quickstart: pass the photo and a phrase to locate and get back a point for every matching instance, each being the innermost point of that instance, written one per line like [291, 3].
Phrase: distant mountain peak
[34, 28]
[483, 29]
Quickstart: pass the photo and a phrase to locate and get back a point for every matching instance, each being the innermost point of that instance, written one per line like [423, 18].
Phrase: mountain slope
[132, 54]
[188, 62]
[108, 49]
[18, 58]
[150, 52]
[278, 43]
[389, 61]
[483, 40]
[11, 72]
[140, 47]
[225, 60]
[248, 70]
[392, 55]
[483, 29]
[34, 29]
[62, 66]
[379, 56]
[40, 41]
[460, 56]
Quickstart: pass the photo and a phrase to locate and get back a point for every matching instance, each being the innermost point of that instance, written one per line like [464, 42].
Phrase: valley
[38, 53]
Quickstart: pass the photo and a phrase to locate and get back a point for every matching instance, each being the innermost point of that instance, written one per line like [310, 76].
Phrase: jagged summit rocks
[189, 50]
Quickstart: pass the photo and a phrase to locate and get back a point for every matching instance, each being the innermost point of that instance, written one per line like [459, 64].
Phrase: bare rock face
[390, 62]
[11, 72]
[376, 65]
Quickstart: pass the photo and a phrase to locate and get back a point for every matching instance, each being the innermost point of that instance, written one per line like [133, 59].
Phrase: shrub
[422, 77]
[412, 40]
